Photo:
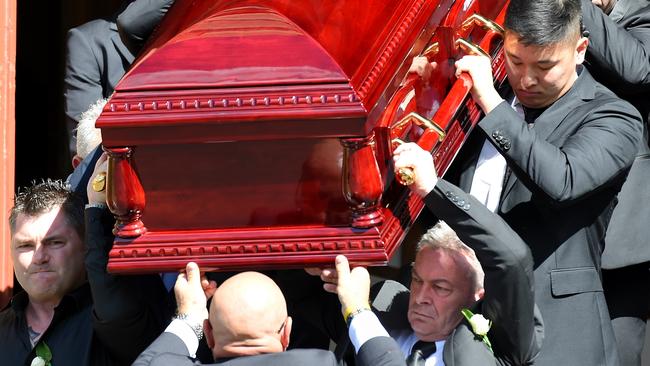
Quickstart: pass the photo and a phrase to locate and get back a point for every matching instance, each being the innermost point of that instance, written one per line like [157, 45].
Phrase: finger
[103, 158]
[360, 272]
[181, 279]
[342, 268]
[313, 271]
[329, 287]
[210, 289]
[330, 278]
[328, 272]
[193, 273]
[405, 147]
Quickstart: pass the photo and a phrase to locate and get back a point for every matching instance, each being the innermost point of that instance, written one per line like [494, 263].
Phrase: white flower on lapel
[38, 361]
[479, 324]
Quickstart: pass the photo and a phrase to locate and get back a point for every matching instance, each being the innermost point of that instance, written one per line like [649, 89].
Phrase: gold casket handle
[459, 92]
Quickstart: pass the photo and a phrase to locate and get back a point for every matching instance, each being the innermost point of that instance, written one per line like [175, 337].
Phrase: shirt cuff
[183, 331]
[363, 327]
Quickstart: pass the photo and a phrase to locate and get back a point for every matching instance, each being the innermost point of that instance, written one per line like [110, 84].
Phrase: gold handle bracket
[483, 22]
[406, 176]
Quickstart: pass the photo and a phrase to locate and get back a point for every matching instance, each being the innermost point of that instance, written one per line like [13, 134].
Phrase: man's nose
[40, 254]
[423, 295]
[528, 80]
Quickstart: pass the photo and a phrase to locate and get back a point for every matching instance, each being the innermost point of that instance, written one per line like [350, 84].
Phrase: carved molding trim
[388, 52]
[210, 100]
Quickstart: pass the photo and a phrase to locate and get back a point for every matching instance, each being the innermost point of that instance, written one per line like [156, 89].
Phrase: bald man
[248, 316]
[247, 324]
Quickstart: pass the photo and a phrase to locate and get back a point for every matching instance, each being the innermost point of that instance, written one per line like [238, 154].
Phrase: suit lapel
[119, 45]
[556, 114]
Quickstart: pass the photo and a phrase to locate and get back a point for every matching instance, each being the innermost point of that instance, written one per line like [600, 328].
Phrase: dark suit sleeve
[168, 350]
[602, 145]
[82, 81]
[509, 299]
[128, 311]
[620, 50]
[139, 19]
[380, 351]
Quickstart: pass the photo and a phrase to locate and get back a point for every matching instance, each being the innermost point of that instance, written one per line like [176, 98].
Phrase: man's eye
[56, 243]
[416, 280]
[442, 291]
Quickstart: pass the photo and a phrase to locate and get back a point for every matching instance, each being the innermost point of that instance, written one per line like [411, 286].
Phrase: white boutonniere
[43, 355]
[480, 325]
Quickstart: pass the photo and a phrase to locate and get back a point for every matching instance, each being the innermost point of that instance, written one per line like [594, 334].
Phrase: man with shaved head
[248, 316]
[247, 324]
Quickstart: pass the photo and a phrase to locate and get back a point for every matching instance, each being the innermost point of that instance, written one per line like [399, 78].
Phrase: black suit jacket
[566, 171]
[128, 311]
[619, 56]
[169, 350]
[517, 330]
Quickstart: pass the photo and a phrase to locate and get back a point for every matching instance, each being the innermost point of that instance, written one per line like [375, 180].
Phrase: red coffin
[258, 134]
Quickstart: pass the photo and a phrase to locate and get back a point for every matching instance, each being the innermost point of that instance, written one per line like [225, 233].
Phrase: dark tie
[420, 352]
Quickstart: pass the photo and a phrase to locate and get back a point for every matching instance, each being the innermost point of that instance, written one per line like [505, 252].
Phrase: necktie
[420, 352]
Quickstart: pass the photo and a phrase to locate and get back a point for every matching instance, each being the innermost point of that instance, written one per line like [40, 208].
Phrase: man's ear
[207, 331]
[479, 294]
[286, 333]
[581, 49]
[76, 160]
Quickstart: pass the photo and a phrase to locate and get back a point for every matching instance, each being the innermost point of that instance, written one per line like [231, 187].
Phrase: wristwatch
[193, 322]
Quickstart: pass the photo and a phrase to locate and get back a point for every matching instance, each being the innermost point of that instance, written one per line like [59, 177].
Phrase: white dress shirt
[365, 326]
[487, 182]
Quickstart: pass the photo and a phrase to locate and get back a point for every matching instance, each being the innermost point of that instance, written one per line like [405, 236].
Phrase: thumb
[342, 268]
[193, 274]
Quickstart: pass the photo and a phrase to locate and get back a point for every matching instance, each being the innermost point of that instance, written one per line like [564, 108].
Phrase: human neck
[40, 313]
[250, 347]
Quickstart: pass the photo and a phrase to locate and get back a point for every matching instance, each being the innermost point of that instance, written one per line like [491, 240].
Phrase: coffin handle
[483, 22]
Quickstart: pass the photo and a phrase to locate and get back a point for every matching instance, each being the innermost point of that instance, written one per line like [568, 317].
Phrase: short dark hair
[543, 22]
[43, 197]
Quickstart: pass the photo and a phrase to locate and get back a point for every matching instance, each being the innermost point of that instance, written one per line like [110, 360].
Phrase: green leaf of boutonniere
[43, 355]
[480, 325]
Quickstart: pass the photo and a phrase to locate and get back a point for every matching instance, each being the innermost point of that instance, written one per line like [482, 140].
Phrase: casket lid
[327, 63]
[232, 48]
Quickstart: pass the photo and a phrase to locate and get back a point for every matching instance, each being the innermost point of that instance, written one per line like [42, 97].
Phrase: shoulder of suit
[603, 96]
[96, 27]
[292, 357]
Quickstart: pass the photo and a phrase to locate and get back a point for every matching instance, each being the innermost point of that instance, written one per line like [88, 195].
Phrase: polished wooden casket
[258, 134]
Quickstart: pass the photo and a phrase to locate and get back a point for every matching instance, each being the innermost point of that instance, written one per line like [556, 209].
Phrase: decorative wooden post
[362, 183]
[7, 140]
[124, 193]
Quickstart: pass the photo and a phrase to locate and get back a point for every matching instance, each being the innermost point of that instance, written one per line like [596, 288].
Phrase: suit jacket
[97, 58]
[169, 350]
[517, 329]
[139, 19]
[618, 55]
[566, 171]
[128, 311]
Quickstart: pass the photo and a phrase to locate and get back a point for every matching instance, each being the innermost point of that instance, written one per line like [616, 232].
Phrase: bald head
[248, 316]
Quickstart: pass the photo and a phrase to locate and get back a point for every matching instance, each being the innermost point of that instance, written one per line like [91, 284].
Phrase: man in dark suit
[247, 325]
[98, 56]
[565, 143]
[619, 56]
[447, 278]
